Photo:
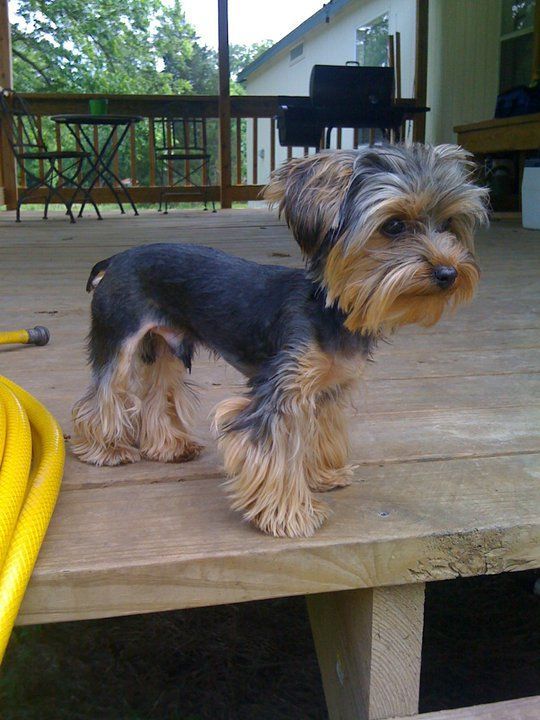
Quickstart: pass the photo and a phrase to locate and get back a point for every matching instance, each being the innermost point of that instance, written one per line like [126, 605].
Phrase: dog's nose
[444, 276]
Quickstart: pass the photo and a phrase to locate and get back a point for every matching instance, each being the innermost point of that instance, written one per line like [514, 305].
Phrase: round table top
[88, 119]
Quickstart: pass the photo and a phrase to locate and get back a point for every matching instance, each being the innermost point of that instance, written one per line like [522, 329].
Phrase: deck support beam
[369, 645]
[421, 68]
[224, 105]
[8, 175]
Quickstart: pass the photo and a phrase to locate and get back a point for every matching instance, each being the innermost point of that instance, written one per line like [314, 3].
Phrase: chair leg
[47, 202]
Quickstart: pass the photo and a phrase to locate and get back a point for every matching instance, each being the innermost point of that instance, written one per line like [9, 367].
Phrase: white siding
[463, 64]
[330, 43]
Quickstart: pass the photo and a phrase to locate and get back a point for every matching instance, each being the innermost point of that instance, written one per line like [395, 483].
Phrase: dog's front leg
[329, 469]
[269, 440]
[267, 455]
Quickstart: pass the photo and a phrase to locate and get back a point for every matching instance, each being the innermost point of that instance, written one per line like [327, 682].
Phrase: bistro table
[101, 157]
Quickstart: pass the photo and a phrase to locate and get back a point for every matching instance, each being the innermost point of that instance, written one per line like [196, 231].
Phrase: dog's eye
[445, 226]
[394, 227]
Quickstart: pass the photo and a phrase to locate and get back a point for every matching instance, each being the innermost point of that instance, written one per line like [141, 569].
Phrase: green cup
[98, 106]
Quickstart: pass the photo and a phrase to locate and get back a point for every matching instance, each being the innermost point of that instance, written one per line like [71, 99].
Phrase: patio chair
[42, 168]
[182, 155]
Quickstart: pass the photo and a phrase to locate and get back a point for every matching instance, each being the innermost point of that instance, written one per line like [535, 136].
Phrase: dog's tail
[97, 273]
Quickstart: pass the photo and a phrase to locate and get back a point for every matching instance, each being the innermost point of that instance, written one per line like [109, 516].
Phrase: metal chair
[182, 154]
[42, 168]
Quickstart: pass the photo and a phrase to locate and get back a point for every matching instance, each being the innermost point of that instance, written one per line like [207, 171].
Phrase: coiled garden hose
[32, 457]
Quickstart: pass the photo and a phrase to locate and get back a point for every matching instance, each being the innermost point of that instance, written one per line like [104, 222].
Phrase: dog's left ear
[455, 154]
[309, 192]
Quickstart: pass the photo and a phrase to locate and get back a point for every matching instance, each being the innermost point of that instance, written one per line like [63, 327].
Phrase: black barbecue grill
[346, 96]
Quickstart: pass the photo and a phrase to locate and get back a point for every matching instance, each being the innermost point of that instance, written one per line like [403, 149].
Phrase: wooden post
[535, 75]
[420, 70]
[9, 175]
[369, 645]
[224, 105]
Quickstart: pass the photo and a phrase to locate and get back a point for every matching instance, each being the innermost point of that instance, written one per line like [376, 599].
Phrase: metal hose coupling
[38, 335]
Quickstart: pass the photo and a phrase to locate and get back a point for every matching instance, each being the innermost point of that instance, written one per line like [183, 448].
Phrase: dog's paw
[331, 479]
[180, 452]
[110, 456]
[303, 522]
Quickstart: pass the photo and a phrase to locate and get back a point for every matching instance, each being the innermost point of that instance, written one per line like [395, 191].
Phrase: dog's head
[387, 231]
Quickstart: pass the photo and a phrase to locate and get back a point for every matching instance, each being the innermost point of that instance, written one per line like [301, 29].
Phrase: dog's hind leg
[168, 404]
[107, 418]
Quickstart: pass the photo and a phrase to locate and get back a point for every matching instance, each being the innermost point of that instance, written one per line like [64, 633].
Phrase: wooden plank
[9, 173]
[444, 439]
[224, 105]
[22, 165]
[421, 67]
[272, 144]
[238, 151]
[501, 135]
[168, 133]
[239, 193]
[152, 151]
[205, 147]
[40, 164]
[260, 106]
[398, 65]
[254, 151]
[369, 646]
[123, 550]
[132, 156]
[522, 709]
[150, 194]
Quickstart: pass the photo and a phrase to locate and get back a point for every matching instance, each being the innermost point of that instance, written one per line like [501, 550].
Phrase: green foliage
[115, 46]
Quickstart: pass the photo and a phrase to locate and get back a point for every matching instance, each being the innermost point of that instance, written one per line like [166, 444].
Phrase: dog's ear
[309, 192]
[456, 154]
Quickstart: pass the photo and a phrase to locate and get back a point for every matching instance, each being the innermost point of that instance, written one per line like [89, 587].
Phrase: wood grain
[521, 709]
[369, 645]
[444, 439]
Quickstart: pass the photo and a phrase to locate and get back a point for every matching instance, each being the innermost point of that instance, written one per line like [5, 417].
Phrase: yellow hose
[31, 466]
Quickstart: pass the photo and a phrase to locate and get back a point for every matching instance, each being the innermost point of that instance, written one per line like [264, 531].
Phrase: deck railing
[254, 146]
[136, 163]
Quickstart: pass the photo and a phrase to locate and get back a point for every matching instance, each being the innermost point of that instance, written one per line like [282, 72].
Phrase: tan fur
[330, 448]
[271, 478]
[387, 283]
[309, 192]
[136, 410]
[167, 406]
[106, 419]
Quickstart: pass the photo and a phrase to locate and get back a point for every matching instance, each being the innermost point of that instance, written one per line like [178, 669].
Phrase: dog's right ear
[309, 192]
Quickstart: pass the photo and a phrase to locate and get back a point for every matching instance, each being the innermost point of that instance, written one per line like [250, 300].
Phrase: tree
[115, 46]
[100, 46]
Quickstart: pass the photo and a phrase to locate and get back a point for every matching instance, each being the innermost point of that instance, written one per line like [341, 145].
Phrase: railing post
[9, 175]
[420, 71]
[224, 105]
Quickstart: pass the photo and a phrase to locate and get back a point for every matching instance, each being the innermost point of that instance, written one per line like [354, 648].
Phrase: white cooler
[530, 194]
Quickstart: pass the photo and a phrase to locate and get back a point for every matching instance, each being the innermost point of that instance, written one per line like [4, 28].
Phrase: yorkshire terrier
[387, 235]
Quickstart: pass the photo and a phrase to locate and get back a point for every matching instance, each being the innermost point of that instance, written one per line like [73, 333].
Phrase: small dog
[387, 235]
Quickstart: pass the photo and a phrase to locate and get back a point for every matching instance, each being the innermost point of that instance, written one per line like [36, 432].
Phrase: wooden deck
[446, 450]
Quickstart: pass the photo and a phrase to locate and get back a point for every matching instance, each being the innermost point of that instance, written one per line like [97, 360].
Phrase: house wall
[463, 64]
[330, 43]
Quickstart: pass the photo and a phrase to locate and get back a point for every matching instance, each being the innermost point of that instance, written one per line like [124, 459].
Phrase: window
[372, 42]
[517, 42]
[296, 52]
